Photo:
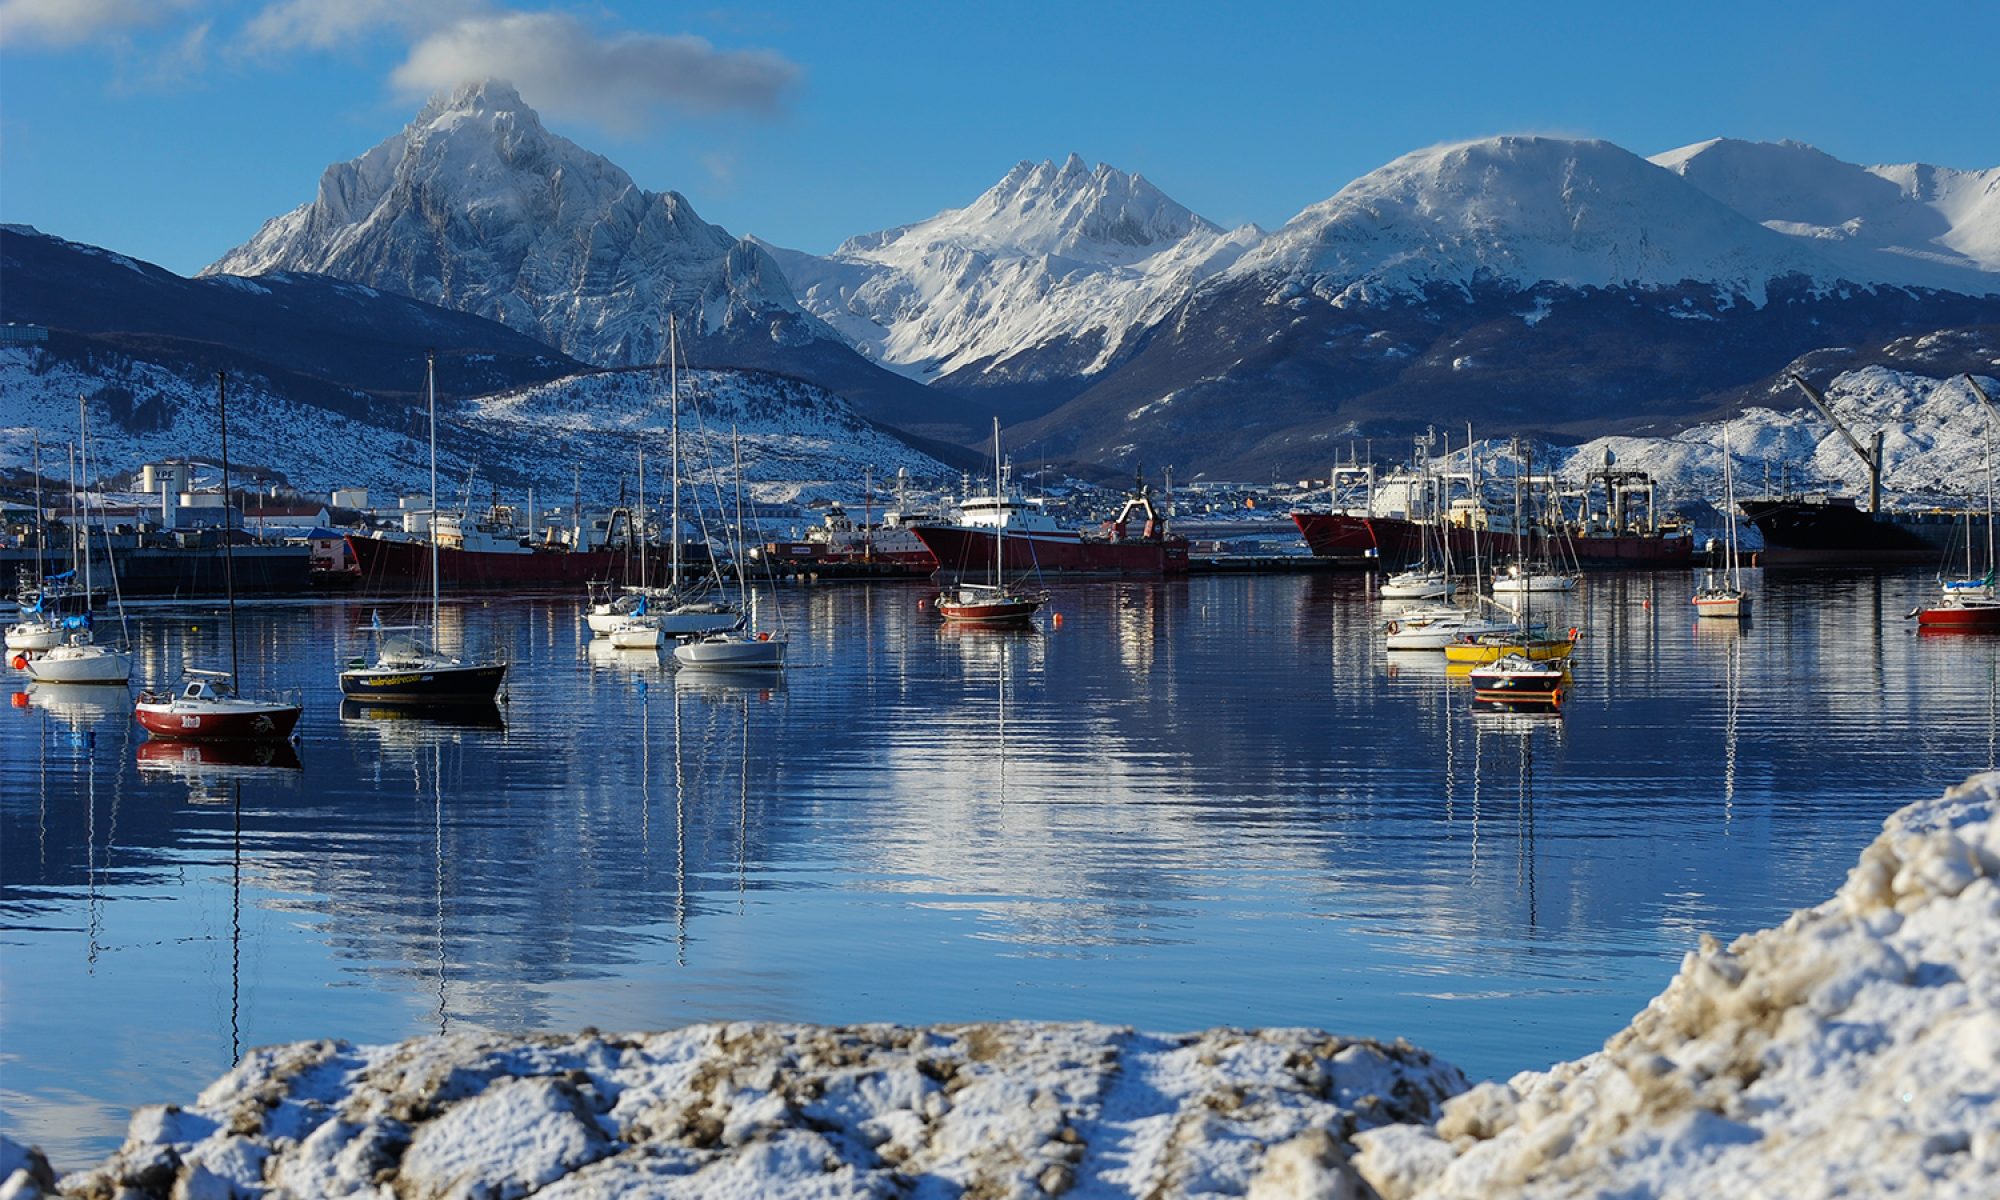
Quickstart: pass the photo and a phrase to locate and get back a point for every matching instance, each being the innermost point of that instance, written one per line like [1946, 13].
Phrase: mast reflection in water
[1192, 803]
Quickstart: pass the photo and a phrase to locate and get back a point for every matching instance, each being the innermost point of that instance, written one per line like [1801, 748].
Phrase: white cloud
[563, 67]
[72, 22]
[331, 24]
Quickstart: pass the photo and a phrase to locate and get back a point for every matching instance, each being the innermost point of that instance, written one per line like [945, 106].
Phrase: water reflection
[1207, 801]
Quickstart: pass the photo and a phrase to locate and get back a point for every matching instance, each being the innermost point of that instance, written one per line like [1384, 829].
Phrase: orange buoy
[923, 602]
[1057, 617]
[20, 699]
[763, 636]
[20, 663]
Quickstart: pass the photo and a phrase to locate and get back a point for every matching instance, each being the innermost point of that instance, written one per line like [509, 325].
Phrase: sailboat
[645, 615]
[997, 602]
[1425, 580]
[1531, 669]
[39, 628]
[206, 705]
[748, 647]
[1715, 597]
[1971, 603]
[406, 670]
[81, 658]
[1534, 568]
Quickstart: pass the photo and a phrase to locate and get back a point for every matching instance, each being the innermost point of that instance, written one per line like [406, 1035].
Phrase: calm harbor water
[1214, 801]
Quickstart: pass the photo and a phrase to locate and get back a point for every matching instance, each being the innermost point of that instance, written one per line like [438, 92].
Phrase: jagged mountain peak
[475, 205]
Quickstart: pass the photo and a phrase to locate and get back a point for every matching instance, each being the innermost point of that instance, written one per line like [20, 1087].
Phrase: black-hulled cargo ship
[1821, 530]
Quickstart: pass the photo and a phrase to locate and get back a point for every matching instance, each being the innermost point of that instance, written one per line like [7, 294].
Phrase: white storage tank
[350, 497]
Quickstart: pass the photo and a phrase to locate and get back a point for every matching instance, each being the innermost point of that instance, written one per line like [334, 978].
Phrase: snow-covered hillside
[1513, 212]
[476, 206]
[799, 441]
[1908, 218]
[1933, 445]
[1053, 253]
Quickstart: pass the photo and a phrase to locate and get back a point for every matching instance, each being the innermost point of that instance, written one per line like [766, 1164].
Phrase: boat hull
[1722, 607]
[961, 549]
[1534, 650]
[383, 563]
[81, 664]
[1981, 618]
[1396, 540]
[1519, 687]
[175, 722]
[733, 654]
[470, 684]
[1812, 533]
[34, 637]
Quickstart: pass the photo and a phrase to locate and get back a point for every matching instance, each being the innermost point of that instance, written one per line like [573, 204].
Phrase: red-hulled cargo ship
[1395, 540]
[1136, 543]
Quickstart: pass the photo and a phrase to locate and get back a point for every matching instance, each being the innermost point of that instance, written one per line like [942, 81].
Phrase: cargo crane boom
[1874, 460]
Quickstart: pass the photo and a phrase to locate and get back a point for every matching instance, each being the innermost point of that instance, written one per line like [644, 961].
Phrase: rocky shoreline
[1855, 1049]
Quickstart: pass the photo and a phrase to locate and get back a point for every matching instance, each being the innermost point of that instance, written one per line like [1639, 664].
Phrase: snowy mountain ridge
[1935, 215]
[1516, 212]
[1050, 253]
[476, 206]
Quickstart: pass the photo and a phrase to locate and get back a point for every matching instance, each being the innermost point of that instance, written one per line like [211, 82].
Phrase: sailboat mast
[83, 453]
[674, 444]
[228, 535]
[431, 393]
[1729, 490]
[41, 530]
[999, 495]
[644, 521]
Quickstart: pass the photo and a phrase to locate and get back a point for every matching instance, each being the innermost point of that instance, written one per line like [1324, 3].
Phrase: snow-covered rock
[761, 1110]
[1908, 215]
[1854, 1050]
[476, 206]
[1052, 254]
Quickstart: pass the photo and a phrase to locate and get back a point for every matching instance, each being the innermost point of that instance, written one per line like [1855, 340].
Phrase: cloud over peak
[617, 81]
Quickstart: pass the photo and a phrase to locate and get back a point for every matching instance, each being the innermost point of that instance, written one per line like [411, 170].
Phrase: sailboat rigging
[996, 602]
[748, 647]
[1972, 603]
[81, 658]
[408, 671]
[1724, 599]
[643, 616]
[208, 705]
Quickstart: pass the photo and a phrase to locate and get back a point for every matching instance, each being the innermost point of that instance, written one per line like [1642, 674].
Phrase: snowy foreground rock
[1853, 1050]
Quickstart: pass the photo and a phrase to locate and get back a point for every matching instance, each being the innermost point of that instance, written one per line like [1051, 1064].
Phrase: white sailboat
[408, 671]
[670, 612]
[38, 628]
[1719, 597]
[81, 658]
[747, 647]
[1534, 569]
[1426, 580]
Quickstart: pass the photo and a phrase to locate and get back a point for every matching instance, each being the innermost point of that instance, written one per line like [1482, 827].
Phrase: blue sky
[170, 129]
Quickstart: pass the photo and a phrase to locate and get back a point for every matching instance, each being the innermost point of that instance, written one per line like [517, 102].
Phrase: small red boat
[207, 708]
[985, 604]
[1961, 615]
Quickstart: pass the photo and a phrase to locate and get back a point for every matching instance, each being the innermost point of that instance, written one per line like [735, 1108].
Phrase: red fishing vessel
[499, 563]
[1375, 523]
[1136, 543]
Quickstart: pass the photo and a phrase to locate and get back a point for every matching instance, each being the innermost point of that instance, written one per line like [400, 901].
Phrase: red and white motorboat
[205, 707]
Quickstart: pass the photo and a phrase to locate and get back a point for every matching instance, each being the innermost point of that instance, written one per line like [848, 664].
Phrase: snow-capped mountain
[1047, 275]
[1518, 212]
[476, 206]
[1925, 224]
[1534, 284]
